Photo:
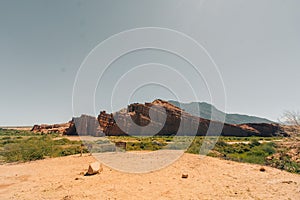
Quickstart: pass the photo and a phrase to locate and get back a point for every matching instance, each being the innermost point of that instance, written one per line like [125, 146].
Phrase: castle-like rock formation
[166, 119]
[177, 122]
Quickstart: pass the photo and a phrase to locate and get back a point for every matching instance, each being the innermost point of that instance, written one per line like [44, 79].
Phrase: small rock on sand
[184, 175]
[94, 168]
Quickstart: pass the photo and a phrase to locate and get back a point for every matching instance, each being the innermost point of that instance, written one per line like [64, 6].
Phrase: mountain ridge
[206, 109]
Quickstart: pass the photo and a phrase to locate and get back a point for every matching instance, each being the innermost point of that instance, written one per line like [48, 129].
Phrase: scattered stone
[94, 168]
[81, 173]
[67, 197]
[59, 187]
[262, 169]
[184, 175]
[289, 182]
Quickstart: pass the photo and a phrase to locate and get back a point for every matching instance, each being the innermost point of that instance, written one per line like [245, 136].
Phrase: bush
[254, 142]
[268, 148]
[38, 147]
[62, 141]
[6, 132]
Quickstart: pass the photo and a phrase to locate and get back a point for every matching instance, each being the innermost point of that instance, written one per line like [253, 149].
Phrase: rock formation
[166, 119]
[55, 128]
[177, 122]
[83, 125]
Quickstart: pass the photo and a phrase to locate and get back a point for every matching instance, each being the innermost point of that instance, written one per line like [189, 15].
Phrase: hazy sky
[255, 43]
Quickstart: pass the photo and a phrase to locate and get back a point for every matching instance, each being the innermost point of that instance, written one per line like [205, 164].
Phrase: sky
[255, 45]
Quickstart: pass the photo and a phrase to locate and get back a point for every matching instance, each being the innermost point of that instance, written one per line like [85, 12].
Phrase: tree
[290, 118]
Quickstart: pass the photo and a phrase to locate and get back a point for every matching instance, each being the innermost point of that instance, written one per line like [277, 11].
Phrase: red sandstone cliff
[166, 119]
[139, 113]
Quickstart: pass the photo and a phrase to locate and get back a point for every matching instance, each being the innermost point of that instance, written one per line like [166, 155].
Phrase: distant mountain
[206, 110]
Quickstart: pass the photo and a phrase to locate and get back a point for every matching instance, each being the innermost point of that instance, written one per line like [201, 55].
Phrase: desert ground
[208, 178]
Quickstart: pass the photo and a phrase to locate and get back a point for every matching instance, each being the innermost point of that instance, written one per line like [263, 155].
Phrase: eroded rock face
[266, 130]
[177, 122]
[54, 128]
[83, 125]
[166, 119]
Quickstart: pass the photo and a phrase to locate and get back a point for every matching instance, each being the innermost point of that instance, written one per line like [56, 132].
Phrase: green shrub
[62, 141]
[254, 142]
[37, 147]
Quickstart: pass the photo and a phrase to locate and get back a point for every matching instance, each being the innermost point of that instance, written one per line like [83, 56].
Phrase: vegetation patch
[28, 147]
[21, 146]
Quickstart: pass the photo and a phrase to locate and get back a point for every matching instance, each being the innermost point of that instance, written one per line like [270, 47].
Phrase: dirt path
[248, 142]
[209, 178]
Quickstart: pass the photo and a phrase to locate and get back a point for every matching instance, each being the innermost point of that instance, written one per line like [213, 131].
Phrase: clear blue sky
[255, 43]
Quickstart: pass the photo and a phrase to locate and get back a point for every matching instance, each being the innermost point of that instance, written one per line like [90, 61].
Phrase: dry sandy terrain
[209, 178]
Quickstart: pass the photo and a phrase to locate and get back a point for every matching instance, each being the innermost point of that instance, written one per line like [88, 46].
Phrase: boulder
[94, 168]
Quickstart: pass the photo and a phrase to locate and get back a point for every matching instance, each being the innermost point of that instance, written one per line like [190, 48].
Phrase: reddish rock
[55, 128]
[139, 113]
[167, 119]
[83, 125]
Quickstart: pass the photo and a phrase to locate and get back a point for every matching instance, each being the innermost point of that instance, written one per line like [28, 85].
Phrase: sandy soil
[209, 178]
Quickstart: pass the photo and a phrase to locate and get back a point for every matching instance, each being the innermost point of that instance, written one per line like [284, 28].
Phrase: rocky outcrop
[55, 128]
[83, 125]
[264, 129]
[135, 118]
[178, 122]
[166, 119]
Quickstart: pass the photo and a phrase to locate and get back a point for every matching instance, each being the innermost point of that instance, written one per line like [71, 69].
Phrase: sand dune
[209, 178]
